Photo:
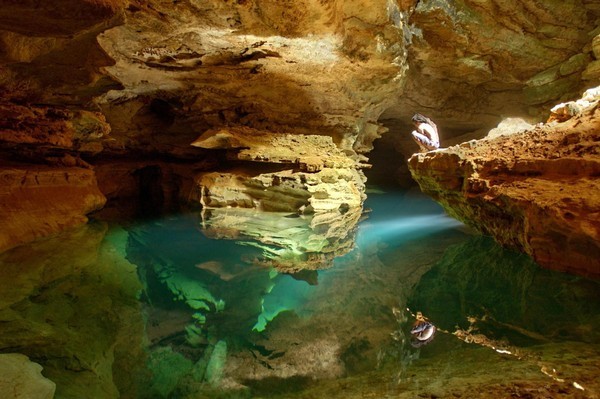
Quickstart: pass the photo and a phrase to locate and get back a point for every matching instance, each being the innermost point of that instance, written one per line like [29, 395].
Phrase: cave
[151, 200]
[208, 199]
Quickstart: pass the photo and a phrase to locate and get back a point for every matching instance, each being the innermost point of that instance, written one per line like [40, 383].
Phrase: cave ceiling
[163, 72]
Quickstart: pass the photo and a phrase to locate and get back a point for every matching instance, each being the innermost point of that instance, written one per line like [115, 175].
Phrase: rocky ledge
[535, 189]
[300, 196]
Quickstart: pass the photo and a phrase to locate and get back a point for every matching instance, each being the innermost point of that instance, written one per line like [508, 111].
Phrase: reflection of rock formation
[289, 242]
[70, 304]
[221, 321]
[197, 292]
[340, 328]
[536, 190]
[508, 294]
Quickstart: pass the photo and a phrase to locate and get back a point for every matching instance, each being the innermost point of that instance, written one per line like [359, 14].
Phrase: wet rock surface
[70, 305]
[22, 378]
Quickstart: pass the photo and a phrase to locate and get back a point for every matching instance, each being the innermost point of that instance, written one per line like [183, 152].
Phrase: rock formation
[304, 213]
[535, 189]
[135, 82]
[474, 61]
[38, 201]
[21, 378]
[268, 108]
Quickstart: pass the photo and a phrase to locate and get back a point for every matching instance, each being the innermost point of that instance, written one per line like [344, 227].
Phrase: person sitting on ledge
[426, 134]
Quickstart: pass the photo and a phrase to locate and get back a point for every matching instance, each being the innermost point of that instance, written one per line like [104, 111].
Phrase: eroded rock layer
[38, 201]
[303, 208]
[536, 190]
[89, 83]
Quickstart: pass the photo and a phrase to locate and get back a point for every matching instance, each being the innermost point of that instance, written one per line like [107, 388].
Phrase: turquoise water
[197, 306]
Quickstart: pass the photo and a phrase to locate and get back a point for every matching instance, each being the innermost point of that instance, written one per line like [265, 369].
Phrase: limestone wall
[535, 190]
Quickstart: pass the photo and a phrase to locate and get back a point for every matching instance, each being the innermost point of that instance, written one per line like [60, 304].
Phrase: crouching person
[426, 133]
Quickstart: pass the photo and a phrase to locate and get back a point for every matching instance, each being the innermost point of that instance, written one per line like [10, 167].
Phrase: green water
[188, 307]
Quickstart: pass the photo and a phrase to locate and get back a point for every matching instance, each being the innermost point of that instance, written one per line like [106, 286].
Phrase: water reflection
[289, 242]
[501, 315]
[396, 218]
[70, 304]
[508, 296]
[175, 311]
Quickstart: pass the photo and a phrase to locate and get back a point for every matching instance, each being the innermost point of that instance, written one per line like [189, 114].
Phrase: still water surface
[190, 307]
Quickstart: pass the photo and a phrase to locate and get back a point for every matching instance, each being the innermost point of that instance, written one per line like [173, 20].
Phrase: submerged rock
[21, 378]
[69, 303]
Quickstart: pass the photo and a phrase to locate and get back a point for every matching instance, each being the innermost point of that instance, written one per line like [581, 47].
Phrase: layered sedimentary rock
[94, 81]
[535, 190]
[299, 68]
[49, 53]
[312, 172]
[47, 187]
[38, 201]
[304, 212]
[49, 67]
[474, 61]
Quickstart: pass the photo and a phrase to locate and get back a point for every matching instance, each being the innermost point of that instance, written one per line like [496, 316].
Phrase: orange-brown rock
[535, 190]
[61, 17]
[157, 74]
[472, 62]
[310, 153]
[49, 53]
[50, 126]
[299, 68]
[38, 201]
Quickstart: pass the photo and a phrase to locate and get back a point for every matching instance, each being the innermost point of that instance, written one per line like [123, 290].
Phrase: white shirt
[428, 130]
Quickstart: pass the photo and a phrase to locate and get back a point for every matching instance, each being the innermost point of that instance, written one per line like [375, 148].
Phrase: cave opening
[388, 158]
[163, 110]
[151, 198]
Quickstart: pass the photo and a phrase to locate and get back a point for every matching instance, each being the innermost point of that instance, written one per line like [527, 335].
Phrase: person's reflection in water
[422, 332]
